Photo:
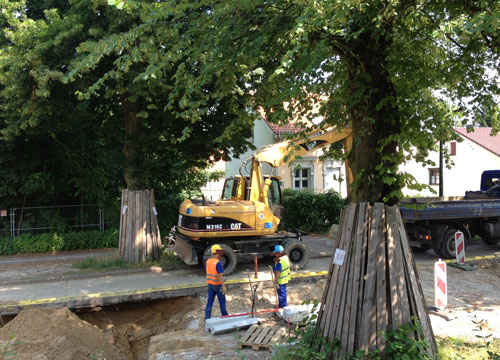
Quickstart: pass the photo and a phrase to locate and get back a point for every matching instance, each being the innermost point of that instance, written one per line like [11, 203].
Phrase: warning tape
[46, 301]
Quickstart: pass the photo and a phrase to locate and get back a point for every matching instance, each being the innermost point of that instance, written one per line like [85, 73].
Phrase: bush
[311, 212]
[48, 242]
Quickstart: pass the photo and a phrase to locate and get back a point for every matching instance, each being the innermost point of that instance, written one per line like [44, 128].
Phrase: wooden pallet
[261, 337]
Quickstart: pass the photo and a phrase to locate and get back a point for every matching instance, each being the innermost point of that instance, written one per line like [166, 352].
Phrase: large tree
[82, 100]
[387, 69]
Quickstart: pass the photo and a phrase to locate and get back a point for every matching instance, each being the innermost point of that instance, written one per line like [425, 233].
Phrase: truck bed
[455, 207]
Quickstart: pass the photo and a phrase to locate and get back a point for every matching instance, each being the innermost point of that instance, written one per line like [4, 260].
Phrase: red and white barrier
[440, 285]
[460, 247]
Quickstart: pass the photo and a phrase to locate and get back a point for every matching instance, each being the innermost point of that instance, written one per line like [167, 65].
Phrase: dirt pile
[48, 333]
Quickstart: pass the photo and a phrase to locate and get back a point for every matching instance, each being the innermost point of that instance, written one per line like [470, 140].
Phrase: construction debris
[220, 325]
[296, 313]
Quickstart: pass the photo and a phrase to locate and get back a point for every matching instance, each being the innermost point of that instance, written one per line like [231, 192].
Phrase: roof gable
[482, 137]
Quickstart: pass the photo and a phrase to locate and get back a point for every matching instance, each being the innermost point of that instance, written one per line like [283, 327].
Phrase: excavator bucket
[185, 250]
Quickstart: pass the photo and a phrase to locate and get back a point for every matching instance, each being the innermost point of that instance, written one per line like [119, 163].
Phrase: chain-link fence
[34, 220]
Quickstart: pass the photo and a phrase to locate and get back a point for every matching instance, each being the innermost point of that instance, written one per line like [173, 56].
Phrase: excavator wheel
[229, 260]
[297, 252]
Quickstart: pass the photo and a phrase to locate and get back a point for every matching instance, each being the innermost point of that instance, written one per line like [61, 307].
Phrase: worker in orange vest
[215, 281]
[281, 274]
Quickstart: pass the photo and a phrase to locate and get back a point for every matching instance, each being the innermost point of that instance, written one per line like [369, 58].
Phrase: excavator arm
[284, 152]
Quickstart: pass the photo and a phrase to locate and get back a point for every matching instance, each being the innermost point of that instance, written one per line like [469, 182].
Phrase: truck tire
[297, 252]
[229, 260]
[447, 244]
[491, 241]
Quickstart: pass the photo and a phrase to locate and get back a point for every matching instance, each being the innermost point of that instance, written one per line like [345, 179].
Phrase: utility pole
[440, 168]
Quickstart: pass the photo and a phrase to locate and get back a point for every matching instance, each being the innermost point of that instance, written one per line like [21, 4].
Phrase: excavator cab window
[274, 198]
[230, 188]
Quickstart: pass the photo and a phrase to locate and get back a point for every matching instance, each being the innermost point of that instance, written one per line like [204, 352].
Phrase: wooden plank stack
[139, 232]
[376, 288]
[260, 337]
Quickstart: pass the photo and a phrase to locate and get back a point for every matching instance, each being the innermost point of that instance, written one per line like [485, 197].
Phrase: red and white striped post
[460, 247]
[440, 285]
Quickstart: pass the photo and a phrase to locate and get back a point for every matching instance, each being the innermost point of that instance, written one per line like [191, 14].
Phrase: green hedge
[311, 212]
[47, 242]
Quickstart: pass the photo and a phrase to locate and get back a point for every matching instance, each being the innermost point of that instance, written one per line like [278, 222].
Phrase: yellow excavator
[245, 221]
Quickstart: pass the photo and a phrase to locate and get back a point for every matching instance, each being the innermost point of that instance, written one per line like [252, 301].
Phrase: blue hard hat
[278, 248]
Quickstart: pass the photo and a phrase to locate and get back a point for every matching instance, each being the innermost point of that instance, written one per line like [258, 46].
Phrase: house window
[453, 148]
[302, 179]
[434, 176]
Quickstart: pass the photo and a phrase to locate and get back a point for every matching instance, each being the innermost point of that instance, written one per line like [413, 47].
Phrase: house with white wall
[478, 151]
[307, 173]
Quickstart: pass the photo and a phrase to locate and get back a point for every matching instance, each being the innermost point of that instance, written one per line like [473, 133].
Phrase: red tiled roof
[285, 129]
[482, 137]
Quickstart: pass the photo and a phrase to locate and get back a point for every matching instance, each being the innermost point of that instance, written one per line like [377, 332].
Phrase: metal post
[441, 182]
[12, 222]
[101, 218]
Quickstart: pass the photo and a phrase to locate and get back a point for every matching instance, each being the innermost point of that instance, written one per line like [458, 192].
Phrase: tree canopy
[154, 90]
[396, 72]
[84, 113]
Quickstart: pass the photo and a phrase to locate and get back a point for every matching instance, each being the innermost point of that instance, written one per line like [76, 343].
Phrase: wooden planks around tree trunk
[139, 233]
[376, 288]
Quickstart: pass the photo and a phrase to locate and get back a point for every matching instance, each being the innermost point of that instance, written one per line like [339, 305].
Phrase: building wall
[262, 135]
[322, 173]
[469, 162]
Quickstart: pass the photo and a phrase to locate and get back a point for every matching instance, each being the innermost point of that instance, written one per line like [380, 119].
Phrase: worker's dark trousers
[212, 291]
[282, 296]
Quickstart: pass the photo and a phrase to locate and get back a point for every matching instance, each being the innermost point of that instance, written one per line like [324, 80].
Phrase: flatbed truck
[432, 222]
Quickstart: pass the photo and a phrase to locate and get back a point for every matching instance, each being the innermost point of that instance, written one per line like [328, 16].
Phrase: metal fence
[34, 220]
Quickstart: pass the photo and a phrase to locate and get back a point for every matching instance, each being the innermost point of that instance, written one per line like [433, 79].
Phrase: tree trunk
[140, 239]
[131, 149]
[374, 119]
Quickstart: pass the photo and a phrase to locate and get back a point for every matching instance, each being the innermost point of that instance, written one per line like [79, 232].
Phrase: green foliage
[481, 326]
[304, 342]
[167, 259]
[403, 344]
[8, 352]
[311, 212]
[48, 242]
[465, 349]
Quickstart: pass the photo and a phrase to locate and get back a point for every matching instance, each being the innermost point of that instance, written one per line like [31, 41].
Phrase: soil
[173, 328]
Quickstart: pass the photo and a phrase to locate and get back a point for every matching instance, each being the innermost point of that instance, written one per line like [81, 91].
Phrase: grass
[455, 349]
[112, 263]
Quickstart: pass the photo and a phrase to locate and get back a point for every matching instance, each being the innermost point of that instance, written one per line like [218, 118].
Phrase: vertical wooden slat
[123, 223]
[368, 325]
[381, 283]
[338, 277]
[148, 234]
[155, 230]
[395, 277]
[356, 291]
[130, 235]
[137, 224]
[418, 294]
[321, 312]
[334, 276]
[144, 212]
[345, 309]
[362, 273]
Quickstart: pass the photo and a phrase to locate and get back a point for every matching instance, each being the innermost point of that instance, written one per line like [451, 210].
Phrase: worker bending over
[215, 281]
[282, 273]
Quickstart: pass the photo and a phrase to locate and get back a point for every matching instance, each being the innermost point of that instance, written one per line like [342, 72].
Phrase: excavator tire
[297, 252]
[229, 260]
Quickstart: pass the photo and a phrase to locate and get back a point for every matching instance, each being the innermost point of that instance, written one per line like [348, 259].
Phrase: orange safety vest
[212, 275]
